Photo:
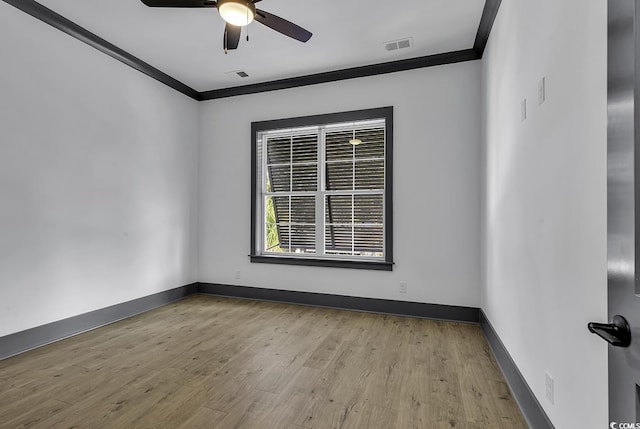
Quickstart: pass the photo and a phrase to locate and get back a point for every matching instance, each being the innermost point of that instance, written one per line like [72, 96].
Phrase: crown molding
[489, 14]
[350, 73]
[67, 26]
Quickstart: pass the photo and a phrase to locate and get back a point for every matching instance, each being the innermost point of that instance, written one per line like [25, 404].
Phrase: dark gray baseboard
[535, 416]
[529, 406]
[373, 305]
[22, 341]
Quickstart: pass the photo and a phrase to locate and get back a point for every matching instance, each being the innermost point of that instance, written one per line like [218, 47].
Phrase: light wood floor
[211, 362]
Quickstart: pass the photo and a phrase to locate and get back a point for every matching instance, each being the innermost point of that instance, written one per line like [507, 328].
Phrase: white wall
[435, 185]
[97, 178]
[99, 187]
[545, 199]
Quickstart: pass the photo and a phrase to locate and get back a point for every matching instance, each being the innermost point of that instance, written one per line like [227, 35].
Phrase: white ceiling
[187, 43]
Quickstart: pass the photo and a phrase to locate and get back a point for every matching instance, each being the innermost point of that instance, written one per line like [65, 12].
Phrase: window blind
[323, 174]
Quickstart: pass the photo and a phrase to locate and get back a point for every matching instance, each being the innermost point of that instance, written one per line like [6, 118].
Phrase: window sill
[334, 263]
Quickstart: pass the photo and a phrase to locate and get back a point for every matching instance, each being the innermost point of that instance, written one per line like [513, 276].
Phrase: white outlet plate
[403, 287]
[542, 91]
[237, 274]
[549, 388]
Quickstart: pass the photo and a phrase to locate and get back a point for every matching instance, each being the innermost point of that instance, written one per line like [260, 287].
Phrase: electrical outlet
[403, 287]
[542, 91]
[237, 274]
[523, 110]
[549, 387]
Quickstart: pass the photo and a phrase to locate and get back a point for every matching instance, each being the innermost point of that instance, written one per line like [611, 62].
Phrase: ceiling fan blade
[282, 26]
[179, 3]
[231, 37]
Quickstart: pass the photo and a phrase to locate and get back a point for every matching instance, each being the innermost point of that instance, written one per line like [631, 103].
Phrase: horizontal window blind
[323, 190]
[292, 166]
[354, 221]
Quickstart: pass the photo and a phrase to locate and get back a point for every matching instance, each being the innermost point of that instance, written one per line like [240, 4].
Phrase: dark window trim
[317, 262]
[385, 113]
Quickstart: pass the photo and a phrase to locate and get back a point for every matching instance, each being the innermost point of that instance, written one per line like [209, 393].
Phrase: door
[623, 211]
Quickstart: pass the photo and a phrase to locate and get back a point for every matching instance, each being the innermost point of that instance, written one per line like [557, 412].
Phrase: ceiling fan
[238, 13]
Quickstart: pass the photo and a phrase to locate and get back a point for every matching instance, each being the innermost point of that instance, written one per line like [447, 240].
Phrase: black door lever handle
[617, 333]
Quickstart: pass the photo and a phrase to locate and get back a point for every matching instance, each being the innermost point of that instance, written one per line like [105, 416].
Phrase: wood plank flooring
[212, 362]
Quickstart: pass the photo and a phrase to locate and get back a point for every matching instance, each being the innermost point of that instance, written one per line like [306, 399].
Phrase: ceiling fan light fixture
[237, 12]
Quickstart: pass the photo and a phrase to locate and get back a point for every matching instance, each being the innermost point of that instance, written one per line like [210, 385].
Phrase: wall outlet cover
[542, 91]
[549, 388]
[403, 287]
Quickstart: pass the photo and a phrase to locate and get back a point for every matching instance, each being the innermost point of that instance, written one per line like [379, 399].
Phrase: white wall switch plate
[542, 91]
[403, 287]
[549, 388]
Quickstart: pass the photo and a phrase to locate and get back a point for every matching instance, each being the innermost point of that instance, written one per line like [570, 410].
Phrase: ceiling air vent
[236, 74]
[398, 44]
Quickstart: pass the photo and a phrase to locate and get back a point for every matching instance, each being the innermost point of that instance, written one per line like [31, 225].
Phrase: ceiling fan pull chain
[225, 40]
[247, 25]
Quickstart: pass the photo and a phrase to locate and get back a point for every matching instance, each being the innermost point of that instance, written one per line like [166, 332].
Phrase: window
[321, 190]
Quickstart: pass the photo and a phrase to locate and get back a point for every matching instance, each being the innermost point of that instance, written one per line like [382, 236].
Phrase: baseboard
[533, 412]
[22, 341]
[373, 305]
[529, 406]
